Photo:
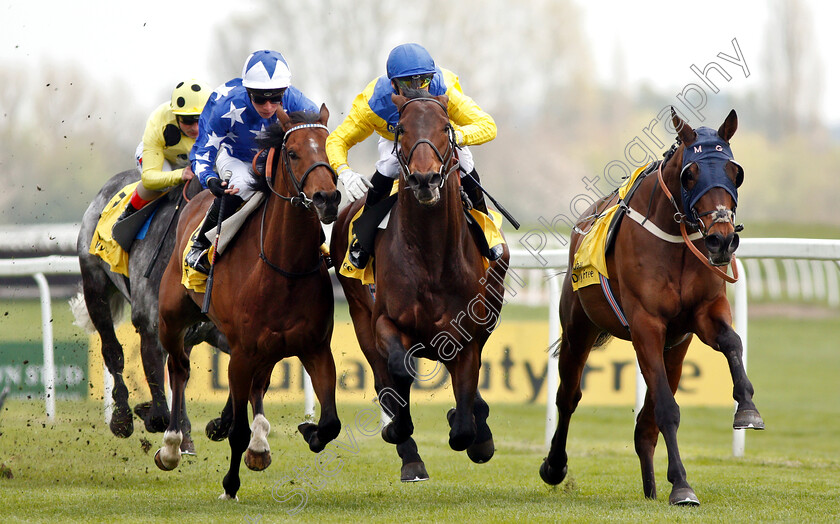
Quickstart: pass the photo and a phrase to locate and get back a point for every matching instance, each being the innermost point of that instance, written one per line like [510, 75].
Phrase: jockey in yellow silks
[408, 66]
[163, 154]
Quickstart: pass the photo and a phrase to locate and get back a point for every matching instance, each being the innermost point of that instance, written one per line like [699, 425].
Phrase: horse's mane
[273, 137]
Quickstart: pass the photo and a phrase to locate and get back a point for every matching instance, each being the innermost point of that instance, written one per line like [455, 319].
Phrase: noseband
[301, 199]
[445, 159]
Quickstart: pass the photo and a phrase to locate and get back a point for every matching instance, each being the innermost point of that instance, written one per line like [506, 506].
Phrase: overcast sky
[115, 39]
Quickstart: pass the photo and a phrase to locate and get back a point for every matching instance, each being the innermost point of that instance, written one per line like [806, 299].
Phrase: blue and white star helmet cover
[266, 69]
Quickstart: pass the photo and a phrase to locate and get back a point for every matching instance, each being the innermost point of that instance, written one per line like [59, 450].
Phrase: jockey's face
[267, 109]
[189, 125]
[267, 102]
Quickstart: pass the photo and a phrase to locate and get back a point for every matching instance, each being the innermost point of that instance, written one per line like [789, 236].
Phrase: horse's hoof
[481, 453]
[391, 435]
[225, 496]
[187, 446]
[257, 461]
[552, 475]
[461, 441]
[310, 435]
[748, 419]
[159, 462]
[216, 430]
[154, 424]
[414, 472]
[683, 497]
[122, 424]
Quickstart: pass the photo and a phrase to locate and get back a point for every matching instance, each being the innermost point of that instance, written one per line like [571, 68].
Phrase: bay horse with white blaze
[661, 290]
[433, 297]
[272, 296]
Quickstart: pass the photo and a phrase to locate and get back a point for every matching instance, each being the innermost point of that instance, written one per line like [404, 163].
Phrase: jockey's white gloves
[355, 184]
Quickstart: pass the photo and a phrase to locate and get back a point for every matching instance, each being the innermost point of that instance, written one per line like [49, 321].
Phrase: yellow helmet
[189, 97]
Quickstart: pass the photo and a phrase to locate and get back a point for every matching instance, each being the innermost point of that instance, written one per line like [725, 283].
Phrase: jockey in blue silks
[238, 112]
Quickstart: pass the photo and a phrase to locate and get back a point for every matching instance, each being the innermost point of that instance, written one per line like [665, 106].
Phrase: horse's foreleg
[648, 336]
[155, 414]
[240, 377]
[579, 334]
[258, 454]
[646, 432]
[464, 372]
[169, 456]
[401, 427]
[483, 448]
[321, 368]
[715, 331]
[99, 310]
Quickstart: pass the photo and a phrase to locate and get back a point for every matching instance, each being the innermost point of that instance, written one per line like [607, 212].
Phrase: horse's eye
[293, 155]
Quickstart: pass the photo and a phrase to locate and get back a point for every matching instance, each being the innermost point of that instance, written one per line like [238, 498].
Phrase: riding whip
[500, 207]
[209, 287]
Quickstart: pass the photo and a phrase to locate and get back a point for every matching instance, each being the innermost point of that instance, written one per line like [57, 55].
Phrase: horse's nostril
[733, 243]
[714, 242]
[319, 199]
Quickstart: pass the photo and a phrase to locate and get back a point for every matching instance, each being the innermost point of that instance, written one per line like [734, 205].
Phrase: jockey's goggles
[188, 120]
[261, 97]
[414, 82]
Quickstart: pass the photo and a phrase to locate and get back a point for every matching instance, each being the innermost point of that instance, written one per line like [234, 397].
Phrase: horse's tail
[82, 317]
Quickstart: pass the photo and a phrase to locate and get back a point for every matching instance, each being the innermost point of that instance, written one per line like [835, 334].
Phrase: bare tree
[793, 70]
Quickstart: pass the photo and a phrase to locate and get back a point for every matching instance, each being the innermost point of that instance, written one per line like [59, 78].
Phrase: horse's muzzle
[326, 205]
[721, 247]
[426, 187]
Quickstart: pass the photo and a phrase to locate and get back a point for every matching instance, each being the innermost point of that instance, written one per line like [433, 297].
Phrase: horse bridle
[301, 199]
[445, 158]
[721, 216]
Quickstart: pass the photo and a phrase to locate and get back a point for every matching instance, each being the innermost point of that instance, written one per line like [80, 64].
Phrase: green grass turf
[74, 470]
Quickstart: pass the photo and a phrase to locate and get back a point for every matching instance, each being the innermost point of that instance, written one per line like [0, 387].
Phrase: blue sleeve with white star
[212, 131]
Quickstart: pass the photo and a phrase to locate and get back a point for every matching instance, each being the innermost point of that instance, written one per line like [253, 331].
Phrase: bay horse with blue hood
[661, 290]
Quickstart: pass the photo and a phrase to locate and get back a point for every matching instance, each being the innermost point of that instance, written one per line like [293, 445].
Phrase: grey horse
[104, 294]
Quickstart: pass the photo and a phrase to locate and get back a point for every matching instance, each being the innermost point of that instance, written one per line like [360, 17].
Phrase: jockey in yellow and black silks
[163, 154]
[408, 66]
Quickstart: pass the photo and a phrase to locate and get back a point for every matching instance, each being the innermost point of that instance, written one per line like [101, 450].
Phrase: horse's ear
[325, 115]
[443, 99]
[283, 118]
[729, 126]
[398, 100]
[684, 131]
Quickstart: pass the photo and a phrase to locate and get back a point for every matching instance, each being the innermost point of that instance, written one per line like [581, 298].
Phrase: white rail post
[48, 369]
[552, 372]
[740, 319]
[308, 397]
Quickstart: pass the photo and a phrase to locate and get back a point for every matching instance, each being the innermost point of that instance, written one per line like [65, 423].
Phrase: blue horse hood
[710, 153]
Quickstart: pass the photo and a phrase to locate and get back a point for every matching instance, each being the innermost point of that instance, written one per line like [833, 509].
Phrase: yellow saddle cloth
[103, 244]
[590, 259]
[190, 278]
[491, 225]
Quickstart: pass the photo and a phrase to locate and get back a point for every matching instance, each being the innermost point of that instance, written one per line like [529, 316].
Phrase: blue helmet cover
[710, 153]
[409, 60]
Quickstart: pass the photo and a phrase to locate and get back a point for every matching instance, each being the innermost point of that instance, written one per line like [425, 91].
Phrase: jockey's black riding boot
[357, 255]
[129, 210]
[475, 194]
[197, 258]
